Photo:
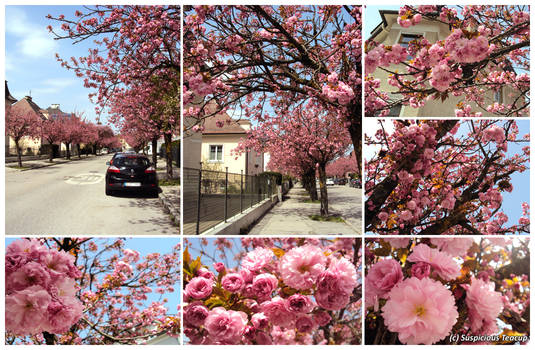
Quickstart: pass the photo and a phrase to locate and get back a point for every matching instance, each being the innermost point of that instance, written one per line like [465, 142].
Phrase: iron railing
[212, 197]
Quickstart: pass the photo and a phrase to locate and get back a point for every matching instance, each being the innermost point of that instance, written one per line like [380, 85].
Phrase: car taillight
[150, 170]
[113, 169]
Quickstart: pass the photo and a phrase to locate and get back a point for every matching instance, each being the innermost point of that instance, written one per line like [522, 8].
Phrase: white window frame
[210, 153]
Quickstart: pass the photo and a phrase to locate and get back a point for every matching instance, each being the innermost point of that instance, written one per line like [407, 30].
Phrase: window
[405, 39]
[395, 111]
[216, 153]
[498, 96]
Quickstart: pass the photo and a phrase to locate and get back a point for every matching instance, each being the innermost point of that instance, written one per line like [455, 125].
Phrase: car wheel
[108, 191]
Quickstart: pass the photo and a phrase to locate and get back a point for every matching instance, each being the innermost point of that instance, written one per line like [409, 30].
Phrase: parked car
[329, 182]
[342, 181]
[355, 183]
[130, 172]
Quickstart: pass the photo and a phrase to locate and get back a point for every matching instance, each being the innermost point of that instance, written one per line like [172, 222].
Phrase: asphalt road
[69, 199]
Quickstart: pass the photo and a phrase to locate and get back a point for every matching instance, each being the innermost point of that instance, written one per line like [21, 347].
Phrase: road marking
[84, 179]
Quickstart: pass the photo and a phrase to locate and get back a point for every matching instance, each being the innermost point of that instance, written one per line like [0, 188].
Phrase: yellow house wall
[235, 163]
[25, 143]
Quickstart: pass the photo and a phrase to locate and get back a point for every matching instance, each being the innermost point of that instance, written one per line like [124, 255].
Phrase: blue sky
[30, 62]
[146, 246]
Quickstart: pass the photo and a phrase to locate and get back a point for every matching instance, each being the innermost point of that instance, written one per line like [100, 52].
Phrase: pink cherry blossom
[484, 306]
[301, 266]
[232, 282]
[199, 288]
[443, 264]
[421, 311]
[257, 259]
[384, 275]
[195, 313]
[225, 326]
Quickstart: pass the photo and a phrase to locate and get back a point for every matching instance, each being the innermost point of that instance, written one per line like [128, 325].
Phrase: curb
[49, 164]
[170, 208]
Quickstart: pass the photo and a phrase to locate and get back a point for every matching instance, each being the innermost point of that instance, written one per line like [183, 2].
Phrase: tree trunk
[68, 147]
[51, 154]
[168, 156]
[19, 153]
[355, 131]
[50, 339]
[154, 152]
[78, 149]
[309, 183]
[324, 209]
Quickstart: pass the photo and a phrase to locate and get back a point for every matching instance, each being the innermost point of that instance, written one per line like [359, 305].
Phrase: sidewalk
[291, 217]
[170, 198]
[43, 162]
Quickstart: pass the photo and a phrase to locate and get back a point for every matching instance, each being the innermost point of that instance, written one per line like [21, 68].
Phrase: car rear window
[130, 161]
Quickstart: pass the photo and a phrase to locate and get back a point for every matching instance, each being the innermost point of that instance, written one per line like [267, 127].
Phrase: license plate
[132, 184]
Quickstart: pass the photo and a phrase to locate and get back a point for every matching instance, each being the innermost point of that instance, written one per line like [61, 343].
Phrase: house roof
[8, 95]
[383, 22]
[27, 105]
[230, 126]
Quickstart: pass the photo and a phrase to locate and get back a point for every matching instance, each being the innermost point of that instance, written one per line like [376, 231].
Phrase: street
[69, 199]
[291, 217]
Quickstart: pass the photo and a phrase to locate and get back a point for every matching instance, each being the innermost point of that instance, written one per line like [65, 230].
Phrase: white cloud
[32, 40]
[53, 86]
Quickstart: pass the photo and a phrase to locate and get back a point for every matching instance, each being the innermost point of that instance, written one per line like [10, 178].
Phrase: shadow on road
[162, 224]
[135, 194]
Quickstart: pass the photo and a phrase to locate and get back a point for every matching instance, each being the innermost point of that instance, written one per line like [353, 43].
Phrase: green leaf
[214, 302]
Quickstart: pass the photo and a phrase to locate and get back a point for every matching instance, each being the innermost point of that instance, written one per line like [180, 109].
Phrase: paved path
[69, 199]
[291, 217]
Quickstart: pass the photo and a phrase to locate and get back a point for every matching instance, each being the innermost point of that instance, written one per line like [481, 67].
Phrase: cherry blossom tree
[442, 290]
[486, 53]
[272, 291]
[341, 166]
[134, 66]
[73, 130]
[106, 138]
[428, 177]
[300, 167]
[88, 291]
[89, 135]
[251, 58]
[307, 132]
[53, 132]
[20, 124]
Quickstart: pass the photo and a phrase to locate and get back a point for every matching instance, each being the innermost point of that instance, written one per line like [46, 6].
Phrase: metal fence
[212, 197]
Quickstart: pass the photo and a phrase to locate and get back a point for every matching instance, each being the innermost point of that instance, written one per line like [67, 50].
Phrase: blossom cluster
[431, 168]
[472, 61]
[40, 289]
[274, 296]
[427, 289]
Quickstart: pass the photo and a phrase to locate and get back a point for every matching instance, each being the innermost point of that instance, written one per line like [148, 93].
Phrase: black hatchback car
[131, 171]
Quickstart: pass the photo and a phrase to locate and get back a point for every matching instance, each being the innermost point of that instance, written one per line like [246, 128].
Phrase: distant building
[29, 146]
[219, 142]
[389, 32]
[60, 149]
